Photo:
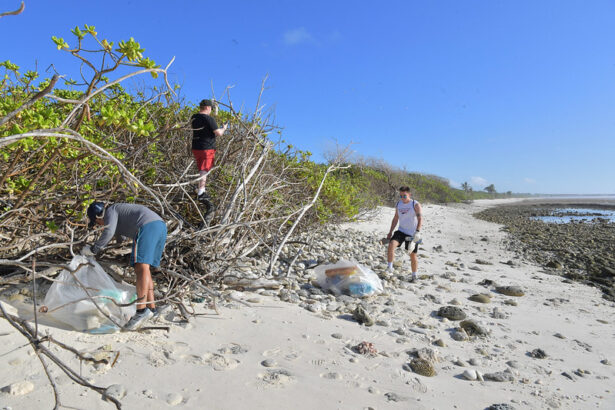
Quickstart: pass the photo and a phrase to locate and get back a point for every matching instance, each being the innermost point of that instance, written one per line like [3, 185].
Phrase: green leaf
[60, 43]
[78, 33]
[131, 49]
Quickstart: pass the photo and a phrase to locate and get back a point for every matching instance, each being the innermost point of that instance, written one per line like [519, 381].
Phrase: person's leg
[414, 262]
[202, 181]
[391, 250]
[145, 286]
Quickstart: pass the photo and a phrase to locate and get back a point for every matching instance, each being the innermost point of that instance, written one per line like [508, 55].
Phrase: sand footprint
[272, 352]
[160, 358]
[219, 362]
[233, 348]
[318, 362]
[275, 378]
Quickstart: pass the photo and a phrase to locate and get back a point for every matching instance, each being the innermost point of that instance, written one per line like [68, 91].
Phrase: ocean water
[566, 215]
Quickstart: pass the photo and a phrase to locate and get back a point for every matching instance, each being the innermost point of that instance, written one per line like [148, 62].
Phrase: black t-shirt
[203, 136]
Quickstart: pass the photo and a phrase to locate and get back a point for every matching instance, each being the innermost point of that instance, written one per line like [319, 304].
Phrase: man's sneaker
[204, 197]
[389, 270]
[138, 319]
[413, 278]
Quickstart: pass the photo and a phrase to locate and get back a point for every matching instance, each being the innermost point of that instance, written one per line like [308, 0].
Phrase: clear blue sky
[518, 93]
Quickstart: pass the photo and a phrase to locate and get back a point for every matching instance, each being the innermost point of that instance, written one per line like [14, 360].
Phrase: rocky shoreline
[582, 251]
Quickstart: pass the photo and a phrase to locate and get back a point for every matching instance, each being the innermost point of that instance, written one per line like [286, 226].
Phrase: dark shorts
[204, 158]
[401, 237]
[149, 244]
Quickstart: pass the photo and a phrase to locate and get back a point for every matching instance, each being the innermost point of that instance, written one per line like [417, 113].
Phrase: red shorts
[204, 158]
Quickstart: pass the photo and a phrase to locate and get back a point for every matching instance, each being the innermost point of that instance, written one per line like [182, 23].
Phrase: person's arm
[213, 125]
[220, 131]
[419, 216]
[108, 233]
[393, 224]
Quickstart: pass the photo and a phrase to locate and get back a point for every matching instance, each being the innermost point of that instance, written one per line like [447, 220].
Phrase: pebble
[440, 343]
[469, 374]
[337, 336]
[537, 354]
[499, 376]
[19, 388]
[422, 367]
[115, 391]
[472, 328]
[460, 335]
[480, 298]
[606, 362]
[510, 290]
[501, 406]
[269, 363]
[451, 313]
[315, 307]
[173, 399]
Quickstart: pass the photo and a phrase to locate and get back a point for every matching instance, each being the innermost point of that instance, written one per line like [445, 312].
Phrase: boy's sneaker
[413, 278]
[138, 319]
[389, 270]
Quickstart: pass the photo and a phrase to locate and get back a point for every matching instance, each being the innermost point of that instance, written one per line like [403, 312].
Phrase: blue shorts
[149, 244]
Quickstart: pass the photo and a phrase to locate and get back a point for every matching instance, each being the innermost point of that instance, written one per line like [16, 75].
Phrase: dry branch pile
[61, 149]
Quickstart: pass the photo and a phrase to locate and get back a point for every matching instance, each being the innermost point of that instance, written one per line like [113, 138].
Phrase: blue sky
[519, 94]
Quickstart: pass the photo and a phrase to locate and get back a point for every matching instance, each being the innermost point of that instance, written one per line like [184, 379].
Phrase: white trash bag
[348, 277]
[67, 302]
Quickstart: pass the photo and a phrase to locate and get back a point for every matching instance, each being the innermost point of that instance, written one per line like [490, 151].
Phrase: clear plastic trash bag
[67, 301]
[348, 277]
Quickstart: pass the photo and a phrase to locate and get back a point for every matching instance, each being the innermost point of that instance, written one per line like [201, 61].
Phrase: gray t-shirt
[124, 220]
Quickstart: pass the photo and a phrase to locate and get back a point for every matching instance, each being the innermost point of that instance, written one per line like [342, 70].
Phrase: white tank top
[407, 217]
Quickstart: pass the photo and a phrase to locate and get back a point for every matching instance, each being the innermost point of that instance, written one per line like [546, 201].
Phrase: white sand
[215, 362]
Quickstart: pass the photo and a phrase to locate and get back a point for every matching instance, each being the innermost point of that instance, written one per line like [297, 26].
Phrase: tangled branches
[63, 148]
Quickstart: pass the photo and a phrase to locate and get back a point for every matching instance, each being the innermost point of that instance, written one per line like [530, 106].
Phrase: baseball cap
[96, 209]
[206, 103]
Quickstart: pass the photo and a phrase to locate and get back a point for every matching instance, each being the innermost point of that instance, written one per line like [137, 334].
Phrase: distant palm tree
[490, 189]
[466, 188]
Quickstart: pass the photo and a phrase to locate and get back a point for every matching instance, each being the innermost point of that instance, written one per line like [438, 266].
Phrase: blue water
[576, 214]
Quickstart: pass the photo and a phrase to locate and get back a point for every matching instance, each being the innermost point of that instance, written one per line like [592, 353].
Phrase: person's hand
[87, 251]
[417, 237]
[389, 235]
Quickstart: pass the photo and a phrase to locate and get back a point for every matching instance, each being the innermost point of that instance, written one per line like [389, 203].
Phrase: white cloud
[529, 180]
[478, 182]
[454, 184]
[297, 36]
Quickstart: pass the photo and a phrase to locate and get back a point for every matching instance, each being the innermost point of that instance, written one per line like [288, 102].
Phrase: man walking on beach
[204, 133]
[149, 234]
[409, 215]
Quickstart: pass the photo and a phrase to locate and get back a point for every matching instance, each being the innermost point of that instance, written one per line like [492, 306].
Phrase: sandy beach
[553, 347]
